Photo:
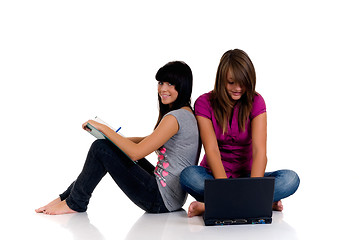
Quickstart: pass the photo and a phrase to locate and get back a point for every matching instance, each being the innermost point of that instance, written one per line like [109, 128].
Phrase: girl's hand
[97, 125]
[84, 126]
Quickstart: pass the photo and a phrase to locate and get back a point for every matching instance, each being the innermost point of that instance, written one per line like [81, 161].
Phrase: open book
[99, 135]
[96, 133]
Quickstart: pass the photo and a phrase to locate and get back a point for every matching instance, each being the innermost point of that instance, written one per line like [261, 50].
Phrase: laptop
[238, 201]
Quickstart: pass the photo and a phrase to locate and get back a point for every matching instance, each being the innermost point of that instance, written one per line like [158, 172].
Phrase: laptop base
[217, 222]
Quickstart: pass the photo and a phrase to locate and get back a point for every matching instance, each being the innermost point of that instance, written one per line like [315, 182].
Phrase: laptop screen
[239, 200]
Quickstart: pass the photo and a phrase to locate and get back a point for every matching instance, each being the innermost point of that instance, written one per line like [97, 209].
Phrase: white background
[63, 62]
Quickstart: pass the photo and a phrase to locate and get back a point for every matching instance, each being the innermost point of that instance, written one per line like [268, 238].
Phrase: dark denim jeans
[192, 180]
[136, 179]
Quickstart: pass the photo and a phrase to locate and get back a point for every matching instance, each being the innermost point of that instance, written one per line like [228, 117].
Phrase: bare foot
[195, 209]
[54, 202]
[277, 206]
[58, 209]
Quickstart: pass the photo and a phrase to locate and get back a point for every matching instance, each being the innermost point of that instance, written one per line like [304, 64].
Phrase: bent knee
[187, 172]
[100, 144]
[185, 176]
[191, 179]
[291, 179]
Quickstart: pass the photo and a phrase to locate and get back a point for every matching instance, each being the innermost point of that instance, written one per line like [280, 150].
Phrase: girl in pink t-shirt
[232, 120]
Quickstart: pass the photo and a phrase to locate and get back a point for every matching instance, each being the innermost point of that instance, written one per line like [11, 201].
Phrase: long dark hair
[178, 74]
[244, 73]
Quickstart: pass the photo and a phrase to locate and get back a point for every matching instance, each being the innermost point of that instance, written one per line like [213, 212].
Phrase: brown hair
[238, 62]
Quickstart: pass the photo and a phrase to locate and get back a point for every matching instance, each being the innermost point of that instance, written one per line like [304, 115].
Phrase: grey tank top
[179, 152]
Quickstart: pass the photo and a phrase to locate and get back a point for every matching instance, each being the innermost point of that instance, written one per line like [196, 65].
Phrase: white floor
[112, 216]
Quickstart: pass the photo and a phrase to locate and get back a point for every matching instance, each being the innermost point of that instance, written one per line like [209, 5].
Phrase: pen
[118, 129]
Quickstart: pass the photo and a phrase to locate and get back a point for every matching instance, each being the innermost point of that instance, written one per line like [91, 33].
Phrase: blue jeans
[192, 180]
[137, 181]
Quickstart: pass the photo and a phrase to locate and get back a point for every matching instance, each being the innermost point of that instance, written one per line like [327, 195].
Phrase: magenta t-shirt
[235, 146]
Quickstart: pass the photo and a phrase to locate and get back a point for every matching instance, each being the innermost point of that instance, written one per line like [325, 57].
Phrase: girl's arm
[259, 145]
[136, 139]
[164, 131]
[209, 141]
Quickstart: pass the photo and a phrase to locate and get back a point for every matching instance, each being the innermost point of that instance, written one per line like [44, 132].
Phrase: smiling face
[234, 90]
[167, 92]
